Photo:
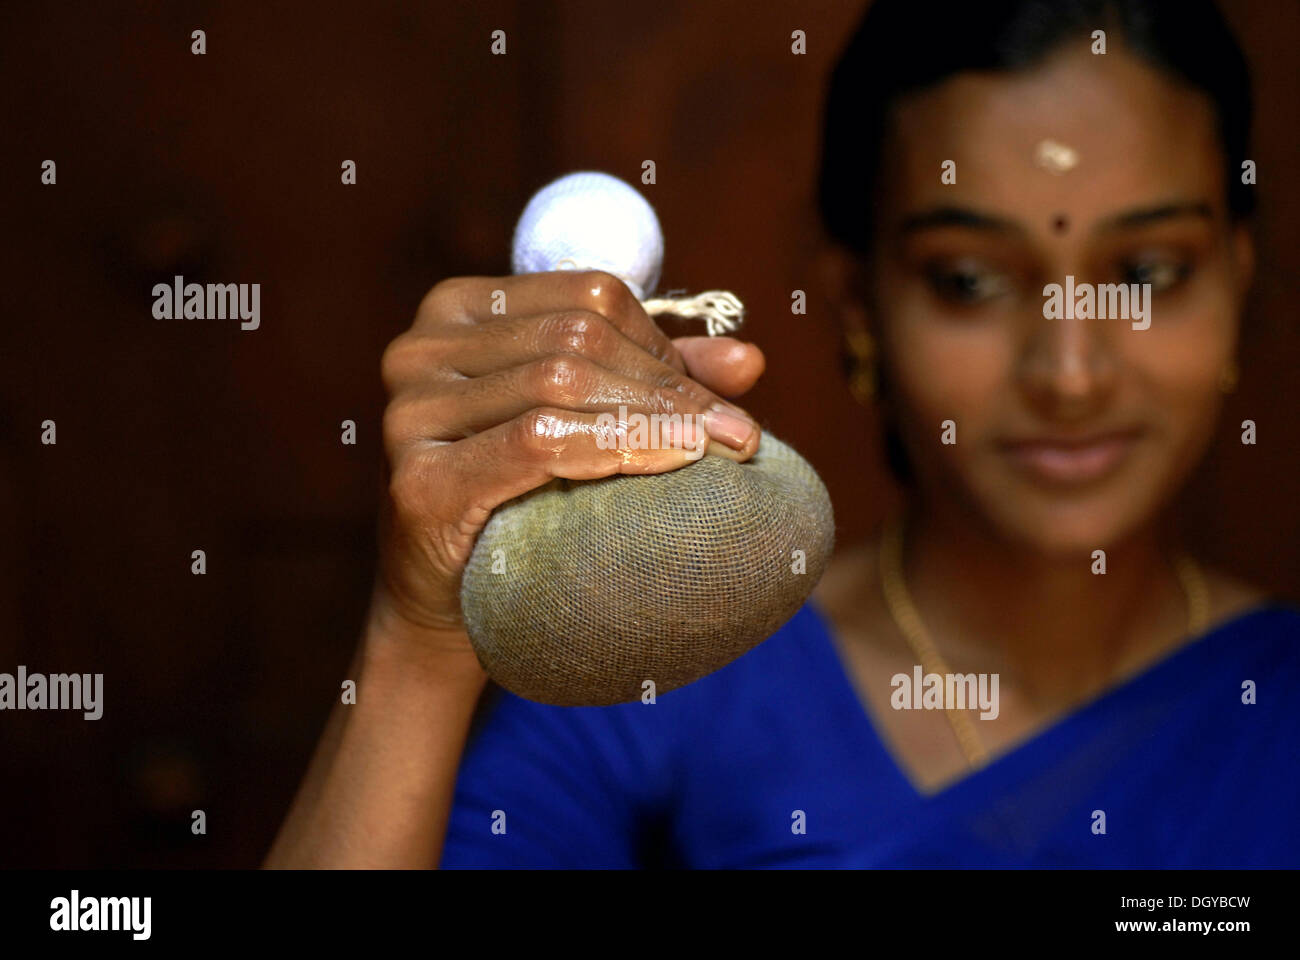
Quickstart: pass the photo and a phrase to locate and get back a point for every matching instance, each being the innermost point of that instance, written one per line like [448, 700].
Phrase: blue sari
[724, 773]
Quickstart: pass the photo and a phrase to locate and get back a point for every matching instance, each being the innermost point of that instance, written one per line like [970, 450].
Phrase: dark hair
[904, 46]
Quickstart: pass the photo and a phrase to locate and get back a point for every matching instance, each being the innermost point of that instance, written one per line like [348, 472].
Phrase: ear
[844, 280]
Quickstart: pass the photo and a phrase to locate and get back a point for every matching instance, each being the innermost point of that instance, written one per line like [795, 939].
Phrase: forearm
[379, 789]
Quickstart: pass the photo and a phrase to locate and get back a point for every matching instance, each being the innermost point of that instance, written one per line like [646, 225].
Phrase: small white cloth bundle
[580, 592]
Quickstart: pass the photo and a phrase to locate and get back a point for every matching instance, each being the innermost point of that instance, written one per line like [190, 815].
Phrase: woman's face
[1069, 432]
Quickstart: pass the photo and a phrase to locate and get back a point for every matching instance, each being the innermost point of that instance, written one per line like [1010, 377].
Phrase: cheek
[950, 370]
[1176, 363]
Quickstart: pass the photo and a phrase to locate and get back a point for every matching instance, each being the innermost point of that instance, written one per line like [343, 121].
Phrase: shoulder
[1248, 615]
[1253, 630]
[1232, 597]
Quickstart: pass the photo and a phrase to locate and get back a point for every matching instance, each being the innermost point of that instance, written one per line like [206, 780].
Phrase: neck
[1052, 629]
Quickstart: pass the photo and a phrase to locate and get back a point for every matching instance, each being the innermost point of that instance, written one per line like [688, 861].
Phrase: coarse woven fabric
[605, 584]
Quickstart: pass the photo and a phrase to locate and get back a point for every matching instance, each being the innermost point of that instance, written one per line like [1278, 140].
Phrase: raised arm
[482, 408]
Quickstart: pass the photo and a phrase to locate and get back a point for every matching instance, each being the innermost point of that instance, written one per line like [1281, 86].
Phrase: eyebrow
[941, 217]
[1166, 211]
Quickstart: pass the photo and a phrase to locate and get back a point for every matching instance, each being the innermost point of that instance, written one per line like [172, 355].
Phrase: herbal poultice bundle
[580, 592]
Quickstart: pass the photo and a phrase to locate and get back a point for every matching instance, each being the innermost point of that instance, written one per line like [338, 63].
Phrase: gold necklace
[908, 620]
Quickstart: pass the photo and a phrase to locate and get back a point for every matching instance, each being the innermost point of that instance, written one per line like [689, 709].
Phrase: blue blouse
[722, 773]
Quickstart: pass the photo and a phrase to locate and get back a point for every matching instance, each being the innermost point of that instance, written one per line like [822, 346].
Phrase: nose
[1067, 364]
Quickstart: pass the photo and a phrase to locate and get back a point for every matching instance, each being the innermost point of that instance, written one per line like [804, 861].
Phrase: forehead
[1140, 136]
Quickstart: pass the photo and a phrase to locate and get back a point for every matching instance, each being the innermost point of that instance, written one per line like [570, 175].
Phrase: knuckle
[605, 293]
[443, 296]
[540, 432]
[393, 365]
[396, 426]
[412, 359]
[580, 332]
[562, 377]
[408, 358]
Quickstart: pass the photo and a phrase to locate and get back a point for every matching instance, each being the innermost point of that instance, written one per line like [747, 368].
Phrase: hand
[485, 407]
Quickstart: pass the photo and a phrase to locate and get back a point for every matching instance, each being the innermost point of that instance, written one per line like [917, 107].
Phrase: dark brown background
[177, 435]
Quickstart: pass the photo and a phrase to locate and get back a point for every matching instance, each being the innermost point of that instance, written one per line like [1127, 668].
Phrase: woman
[1135, 705]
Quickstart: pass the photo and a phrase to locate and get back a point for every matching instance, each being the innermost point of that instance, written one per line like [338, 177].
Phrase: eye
[1163, 273]
[966, 282]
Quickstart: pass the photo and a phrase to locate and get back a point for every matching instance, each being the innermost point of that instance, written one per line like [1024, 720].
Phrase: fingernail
[724, 424]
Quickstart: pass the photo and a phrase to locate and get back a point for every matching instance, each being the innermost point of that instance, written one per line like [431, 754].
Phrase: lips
[1070, 460]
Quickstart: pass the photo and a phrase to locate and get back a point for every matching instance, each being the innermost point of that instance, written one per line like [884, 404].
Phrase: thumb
[725, 365]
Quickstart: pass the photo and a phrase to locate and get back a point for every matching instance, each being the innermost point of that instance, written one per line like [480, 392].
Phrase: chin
[1071, 522]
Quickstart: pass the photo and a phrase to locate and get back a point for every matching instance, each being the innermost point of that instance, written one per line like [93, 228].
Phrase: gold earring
[1229, 377]
[862, 370]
